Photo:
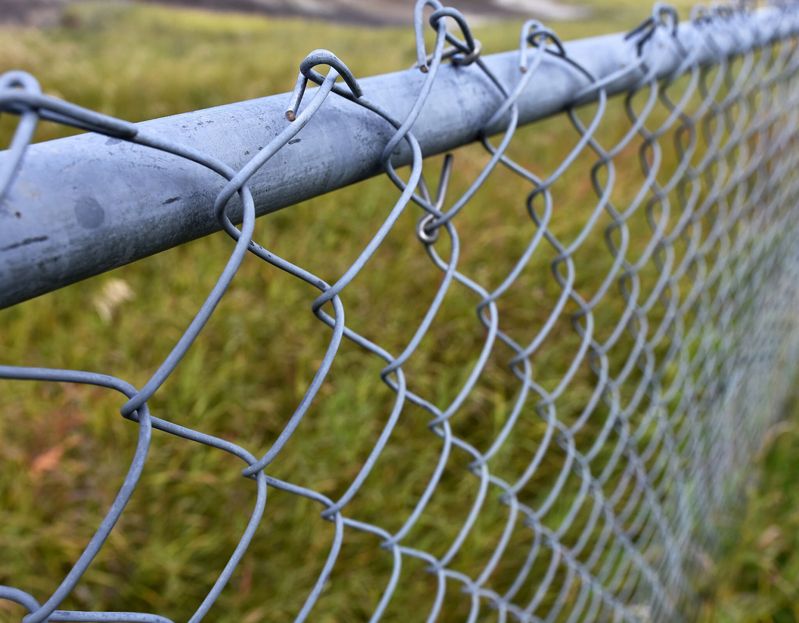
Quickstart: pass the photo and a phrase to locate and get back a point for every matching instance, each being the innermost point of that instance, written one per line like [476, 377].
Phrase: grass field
[755, 575]
[65, 447]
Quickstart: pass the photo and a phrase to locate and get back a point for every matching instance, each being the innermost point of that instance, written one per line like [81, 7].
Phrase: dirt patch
[39, 13]
[390, 12]
[42, 13]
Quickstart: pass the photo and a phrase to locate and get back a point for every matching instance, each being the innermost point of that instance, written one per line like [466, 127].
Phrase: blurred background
[63, 449]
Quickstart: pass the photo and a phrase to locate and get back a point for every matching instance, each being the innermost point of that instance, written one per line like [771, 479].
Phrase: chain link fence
[642, 341]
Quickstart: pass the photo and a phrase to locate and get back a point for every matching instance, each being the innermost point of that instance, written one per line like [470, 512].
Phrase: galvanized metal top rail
[87, 204]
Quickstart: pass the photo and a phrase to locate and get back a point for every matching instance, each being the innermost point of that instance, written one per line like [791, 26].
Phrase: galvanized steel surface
[60, 225]
[657, 468]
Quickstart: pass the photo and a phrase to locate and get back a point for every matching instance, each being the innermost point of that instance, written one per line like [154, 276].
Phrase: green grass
[65, 447]
[754, 577]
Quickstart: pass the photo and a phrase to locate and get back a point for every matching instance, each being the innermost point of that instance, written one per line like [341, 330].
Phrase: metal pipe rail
[86, 204]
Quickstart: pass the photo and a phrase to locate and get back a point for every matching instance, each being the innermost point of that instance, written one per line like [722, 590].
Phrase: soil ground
[368, 12]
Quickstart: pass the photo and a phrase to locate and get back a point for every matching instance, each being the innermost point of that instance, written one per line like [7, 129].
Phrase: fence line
[682, 351]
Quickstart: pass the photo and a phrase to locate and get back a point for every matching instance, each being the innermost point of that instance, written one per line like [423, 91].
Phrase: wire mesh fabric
[678, 351]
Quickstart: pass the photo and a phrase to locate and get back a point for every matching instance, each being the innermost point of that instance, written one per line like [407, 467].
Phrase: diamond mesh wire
[677, 358]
